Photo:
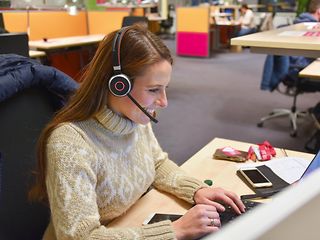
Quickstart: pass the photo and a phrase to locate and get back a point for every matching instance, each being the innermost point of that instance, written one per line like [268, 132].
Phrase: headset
[120, 84]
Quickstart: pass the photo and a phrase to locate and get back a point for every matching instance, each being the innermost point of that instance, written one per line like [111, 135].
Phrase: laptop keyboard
[228, 215]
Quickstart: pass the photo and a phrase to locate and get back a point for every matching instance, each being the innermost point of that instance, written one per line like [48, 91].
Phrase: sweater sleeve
[71, 180]
[169, 177]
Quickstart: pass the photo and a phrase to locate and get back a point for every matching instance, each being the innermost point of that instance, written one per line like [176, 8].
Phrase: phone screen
[255, 176]
[158, 217]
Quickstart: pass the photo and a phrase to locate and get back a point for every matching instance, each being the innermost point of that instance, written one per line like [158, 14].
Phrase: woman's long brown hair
[139, 49]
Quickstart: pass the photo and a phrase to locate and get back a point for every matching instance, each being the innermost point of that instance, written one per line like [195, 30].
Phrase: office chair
[313, 143]
[30, 93]
[1, 21]
[167, 24]
[2, 26]
[17, 43]
[266, 22]
[281, 75]
[130, 20]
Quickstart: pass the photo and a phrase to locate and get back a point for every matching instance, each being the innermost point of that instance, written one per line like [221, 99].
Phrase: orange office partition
[54, 24]
[193, 35]
[15, 21]
[104, 22]
[46, 24]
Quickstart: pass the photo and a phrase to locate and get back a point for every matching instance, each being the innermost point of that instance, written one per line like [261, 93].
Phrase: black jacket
[18, 73]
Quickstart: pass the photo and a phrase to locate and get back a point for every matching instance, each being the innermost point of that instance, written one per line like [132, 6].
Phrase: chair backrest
[130, 20]
[14, 43]
[0, 173]
[21, 119]
[1, 21]
[30, 93]
[266, 22]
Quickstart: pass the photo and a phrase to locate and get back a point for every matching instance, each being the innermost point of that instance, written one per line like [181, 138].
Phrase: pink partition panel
[193, 44]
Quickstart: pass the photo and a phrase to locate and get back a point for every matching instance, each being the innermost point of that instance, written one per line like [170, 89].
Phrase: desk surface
[312, 70]
[155, 17]
[36, 54]
[201, 166]
[55, 43]
[290, 40]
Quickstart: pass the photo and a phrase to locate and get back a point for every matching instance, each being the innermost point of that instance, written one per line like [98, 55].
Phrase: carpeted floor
[220, 96]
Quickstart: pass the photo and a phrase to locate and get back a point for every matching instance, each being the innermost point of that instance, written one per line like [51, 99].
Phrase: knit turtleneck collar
[114, 122]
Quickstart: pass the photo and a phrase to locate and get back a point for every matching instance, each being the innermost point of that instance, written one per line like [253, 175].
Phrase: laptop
[314, 164]
[229, 215]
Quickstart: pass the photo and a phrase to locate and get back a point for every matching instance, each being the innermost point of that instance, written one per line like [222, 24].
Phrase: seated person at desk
[246, 20]
[296, 63]
[99, 155]
[313, 15]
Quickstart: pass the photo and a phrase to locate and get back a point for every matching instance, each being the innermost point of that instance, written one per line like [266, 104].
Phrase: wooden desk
[222, 32]
[36, 54]
[312, 70]
[153, 17]
[68, 54]
[201, 166]
[58, 43]
[220, 14]
[284, 41]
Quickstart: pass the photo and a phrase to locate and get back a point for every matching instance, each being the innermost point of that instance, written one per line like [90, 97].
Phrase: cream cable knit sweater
[97, 169]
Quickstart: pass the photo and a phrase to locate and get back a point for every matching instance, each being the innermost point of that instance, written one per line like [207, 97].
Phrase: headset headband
[116, 50]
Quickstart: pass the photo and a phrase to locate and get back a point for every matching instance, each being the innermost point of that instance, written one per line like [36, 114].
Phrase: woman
[99, 155]
[246, 21]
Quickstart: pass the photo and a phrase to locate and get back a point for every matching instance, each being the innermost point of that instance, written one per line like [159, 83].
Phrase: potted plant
[302, 6]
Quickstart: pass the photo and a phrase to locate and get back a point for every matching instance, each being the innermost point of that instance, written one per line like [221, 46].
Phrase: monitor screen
[315, 163]
[292, 214]
[15, 43]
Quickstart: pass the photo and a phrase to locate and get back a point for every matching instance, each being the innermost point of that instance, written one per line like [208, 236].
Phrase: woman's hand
[197, 222]
[212, 196]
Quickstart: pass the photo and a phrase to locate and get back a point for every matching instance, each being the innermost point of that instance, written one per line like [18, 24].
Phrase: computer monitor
[292, 214]
[17, 43]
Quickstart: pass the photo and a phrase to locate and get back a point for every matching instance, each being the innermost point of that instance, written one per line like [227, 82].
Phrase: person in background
[313, 14]
[99, 155]
[246, 21]
[297, 63]
[294, 64]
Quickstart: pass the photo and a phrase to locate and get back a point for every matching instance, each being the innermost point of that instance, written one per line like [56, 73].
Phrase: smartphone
[158, 217]
[255, 177]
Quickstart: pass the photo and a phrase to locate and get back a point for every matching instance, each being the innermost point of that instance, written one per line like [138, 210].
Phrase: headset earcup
[120, 85]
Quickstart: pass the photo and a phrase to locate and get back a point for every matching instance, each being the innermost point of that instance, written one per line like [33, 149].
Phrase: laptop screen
[315, 164]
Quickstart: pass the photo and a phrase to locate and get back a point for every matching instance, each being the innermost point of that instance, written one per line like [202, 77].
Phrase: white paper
[290, 169]
[311, 25]
[292, 33]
